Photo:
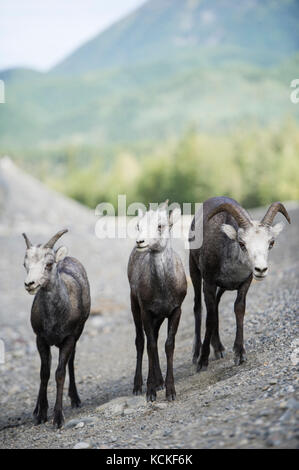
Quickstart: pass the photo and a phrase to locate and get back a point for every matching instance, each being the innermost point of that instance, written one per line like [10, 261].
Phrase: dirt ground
[250, 406]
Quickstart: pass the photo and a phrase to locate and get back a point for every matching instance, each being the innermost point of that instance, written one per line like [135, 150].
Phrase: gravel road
[250, 406]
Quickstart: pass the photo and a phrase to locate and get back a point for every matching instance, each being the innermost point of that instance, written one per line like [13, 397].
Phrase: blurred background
[178, 99]
[157, 99]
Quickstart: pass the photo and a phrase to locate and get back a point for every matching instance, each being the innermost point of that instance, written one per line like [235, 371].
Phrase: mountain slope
[259, 32]
[143, 103]
[169, 66]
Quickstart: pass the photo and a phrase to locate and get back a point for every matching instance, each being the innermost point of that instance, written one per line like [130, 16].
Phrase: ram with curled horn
[60, 308]
[234, 250]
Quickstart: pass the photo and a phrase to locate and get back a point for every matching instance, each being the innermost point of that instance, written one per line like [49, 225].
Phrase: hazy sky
[39, 33]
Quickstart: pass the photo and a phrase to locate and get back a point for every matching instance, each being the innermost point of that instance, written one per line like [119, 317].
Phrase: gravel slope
[254, 405]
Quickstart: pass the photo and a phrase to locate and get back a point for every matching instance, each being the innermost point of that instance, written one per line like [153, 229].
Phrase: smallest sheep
[60, 308]
[158, 288]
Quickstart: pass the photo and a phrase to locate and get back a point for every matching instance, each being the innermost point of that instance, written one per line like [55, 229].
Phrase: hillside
[145, 103]
[19, 74]
[168, 67]
[251, 31]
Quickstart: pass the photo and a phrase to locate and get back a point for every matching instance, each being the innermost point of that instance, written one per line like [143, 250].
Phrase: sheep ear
[60, 253]
[277, 228]
[174, 216]
[229, 231]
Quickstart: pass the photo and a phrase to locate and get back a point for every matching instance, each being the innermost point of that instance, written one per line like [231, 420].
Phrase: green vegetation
[115, 116]
[142, 105]
[209, 64]
[255, 167]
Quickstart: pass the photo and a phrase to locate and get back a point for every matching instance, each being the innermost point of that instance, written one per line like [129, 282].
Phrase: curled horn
[237, 212]
[54, 239]
[272, 211]
[27, 241]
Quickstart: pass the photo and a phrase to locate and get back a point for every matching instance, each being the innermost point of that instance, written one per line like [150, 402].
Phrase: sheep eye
[49, 265]
[271, 244]
[242, 246]
[160, 227]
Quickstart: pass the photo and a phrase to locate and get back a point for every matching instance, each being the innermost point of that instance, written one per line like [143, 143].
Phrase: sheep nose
[140, 242]
[261, 271]
[29, 284]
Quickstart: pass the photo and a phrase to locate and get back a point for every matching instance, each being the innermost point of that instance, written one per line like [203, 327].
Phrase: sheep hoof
[195, 359]
[151, 396]
[170, 394]
[219, 354]
[40, 419]
[171, 397]
[137, 391]
[40, 415]
[240, 359]
[202, 365]
[160, 385]
[76, 403]
[58, 420]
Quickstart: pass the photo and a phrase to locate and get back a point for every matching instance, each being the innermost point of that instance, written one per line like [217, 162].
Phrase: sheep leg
[152, 351]
[173, 323]
[139, 343]
[41, 409]
[210, 301]
[215, 340]
[73, 393]
[65, 351]
[158, 373]
[239, 307]
[196, 281]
